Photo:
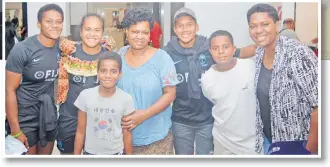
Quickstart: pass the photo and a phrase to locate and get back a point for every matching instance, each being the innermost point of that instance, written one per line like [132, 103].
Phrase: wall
[287, 10]
[225, 16]
[92, 7]
[166, 21]
[232, 17]
[32, 12]
[306, 22]
[77, 11]
[13, 5]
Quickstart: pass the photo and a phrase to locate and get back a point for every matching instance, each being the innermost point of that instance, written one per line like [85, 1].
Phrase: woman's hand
[109, 43]
[315, 41]
[134, 119]
[24, 140]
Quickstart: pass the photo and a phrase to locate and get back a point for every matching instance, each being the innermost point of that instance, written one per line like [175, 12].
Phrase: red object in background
[316, 52]
[154, 35]
[314, 49]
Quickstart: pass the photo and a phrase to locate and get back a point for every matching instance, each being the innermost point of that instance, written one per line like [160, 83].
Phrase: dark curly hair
[109, 55]
[136, 15]
[263, 8]
[49, 7]
[221, 33]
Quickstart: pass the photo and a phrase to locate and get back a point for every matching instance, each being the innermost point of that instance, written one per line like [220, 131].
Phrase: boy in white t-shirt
[229, 85]
[101, 109]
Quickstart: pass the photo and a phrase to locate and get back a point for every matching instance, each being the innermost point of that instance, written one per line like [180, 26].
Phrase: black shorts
[66, 127]
[29, 124]
[66, 146]
[33, 136]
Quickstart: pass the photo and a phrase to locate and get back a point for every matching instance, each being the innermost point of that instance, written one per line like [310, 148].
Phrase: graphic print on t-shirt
[82, 79]
[104, 123]
[203, 60]
[49, 75]
[204, 63]
[58, 57]
[40, 68]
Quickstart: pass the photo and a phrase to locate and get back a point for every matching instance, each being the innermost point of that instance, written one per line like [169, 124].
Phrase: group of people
[197, 95]
[14, 33]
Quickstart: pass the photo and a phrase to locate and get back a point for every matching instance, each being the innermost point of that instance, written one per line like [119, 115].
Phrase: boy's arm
[205, 89]
[128, 142]
[81, 132]
[127, 132]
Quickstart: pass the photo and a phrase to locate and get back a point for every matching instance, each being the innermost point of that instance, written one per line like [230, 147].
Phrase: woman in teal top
[149, 76]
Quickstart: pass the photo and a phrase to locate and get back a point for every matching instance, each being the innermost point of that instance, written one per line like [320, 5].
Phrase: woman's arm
[12, 83]
[248, 51]
[312, 141]
[305, 71]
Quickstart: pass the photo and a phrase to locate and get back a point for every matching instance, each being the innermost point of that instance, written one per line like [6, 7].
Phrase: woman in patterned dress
[286, 83]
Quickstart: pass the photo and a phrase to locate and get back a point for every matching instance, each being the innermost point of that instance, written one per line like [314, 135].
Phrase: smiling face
[138, 35]
[222, 49]
[108, 73]
[91, 32]
[263, 31]
[51, 24]
[186, 28]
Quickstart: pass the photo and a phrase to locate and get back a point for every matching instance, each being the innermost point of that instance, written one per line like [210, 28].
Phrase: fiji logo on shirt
[58, 57]
[202, 60]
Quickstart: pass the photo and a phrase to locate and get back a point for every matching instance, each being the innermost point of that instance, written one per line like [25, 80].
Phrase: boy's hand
[134, 119]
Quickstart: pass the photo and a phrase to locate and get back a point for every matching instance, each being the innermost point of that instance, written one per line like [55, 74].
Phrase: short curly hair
[136, 15]
[49, 7]
[221, 33]
[263, 8]
[109, 55]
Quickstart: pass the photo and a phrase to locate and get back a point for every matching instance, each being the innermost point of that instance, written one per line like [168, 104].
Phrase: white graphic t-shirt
[103, 130]
[234, 111]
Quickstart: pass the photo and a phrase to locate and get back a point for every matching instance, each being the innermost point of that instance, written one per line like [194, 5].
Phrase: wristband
[17, 134]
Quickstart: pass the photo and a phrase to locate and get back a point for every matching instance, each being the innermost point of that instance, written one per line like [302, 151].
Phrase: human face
[290, 25]
[186, 28]
[221, 49]
[51, 25]
[109, 73]
[91, 32]
[263, 31]
[138, 35]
